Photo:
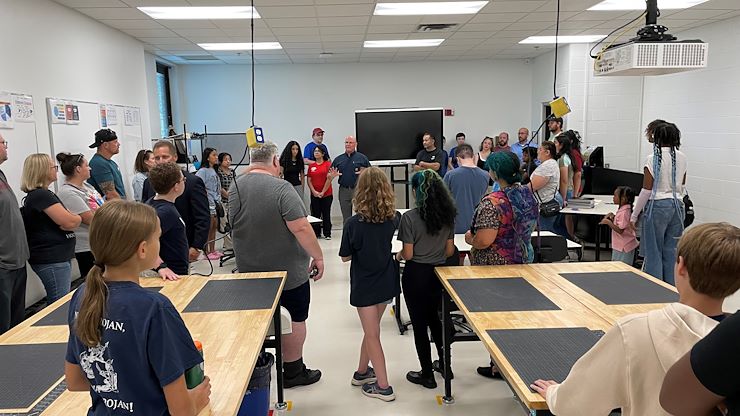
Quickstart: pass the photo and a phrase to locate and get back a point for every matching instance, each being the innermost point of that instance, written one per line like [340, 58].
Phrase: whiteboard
[21, 143]
[76, 138]
[234, 144]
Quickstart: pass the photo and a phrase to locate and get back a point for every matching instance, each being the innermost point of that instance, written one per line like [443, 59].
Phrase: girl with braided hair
[427, 233]
[661, 198]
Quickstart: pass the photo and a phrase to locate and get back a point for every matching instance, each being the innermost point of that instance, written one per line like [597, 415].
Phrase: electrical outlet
[606, 165]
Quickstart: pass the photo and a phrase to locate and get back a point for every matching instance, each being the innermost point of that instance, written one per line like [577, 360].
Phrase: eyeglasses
[55, 167]
[5, 142]
[182, 179]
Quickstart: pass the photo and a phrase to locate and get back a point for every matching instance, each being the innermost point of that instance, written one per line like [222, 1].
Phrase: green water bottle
[194, 376]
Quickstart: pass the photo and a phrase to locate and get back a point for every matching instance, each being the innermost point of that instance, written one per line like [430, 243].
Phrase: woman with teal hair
[501, 232]
[427, 232]
[504, 220]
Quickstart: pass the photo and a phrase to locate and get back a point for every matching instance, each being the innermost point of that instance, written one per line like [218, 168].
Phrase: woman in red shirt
[319, 177]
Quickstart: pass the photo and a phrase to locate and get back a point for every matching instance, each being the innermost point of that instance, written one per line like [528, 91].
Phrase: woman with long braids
[661, 198]
[427, 233]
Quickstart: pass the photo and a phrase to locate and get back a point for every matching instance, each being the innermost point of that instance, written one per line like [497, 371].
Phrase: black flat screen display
[395, 134]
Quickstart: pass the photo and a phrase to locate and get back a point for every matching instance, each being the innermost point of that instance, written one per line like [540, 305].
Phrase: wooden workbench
[232, 341]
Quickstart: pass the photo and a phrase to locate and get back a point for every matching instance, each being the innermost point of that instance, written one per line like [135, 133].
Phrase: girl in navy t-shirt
[128, 346]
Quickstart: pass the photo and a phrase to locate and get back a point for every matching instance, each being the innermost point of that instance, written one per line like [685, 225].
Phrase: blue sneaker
[362, 379]
[373, 390]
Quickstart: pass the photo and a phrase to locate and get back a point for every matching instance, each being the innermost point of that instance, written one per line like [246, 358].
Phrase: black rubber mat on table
[621, 288]
[60, 314]
[29, 370]
[501, 295]
[235, 295]
[546, 354]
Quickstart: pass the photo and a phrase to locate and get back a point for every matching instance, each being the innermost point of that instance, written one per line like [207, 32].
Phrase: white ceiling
[305, 28]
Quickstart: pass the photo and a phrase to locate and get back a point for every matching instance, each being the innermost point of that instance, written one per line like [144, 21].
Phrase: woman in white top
[81, 199]
[661, 198]
[545, 181]
[207, 172]
[144, 162]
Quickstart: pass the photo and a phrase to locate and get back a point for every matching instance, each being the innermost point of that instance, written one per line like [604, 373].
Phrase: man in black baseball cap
[105, 175]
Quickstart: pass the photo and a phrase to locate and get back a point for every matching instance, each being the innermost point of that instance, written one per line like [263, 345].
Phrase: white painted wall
[53, 51]
[613, 112]
[487, 97]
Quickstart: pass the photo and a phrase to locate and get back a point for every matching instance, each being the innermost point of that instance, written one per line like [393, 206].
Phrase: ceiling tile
[92, 3]
[286, 11]
[342, 30]
[302, 45]
[296, 31]
[200, 32]
[718, 4]
[160, 3]
[512, 6]
[166, 41]
[239, 23]
[395, 20]
[483, 27]
[303, 38]
[600, 15]
[112, 13]
[292, 22]
[391, 28]
[132, 24]
[446, 19]
[345, 10]
[467, 36]
[497, 18]
[539, 16]
[187, 24]
[150, 33]
[568, 6]
[699, 14]
[344, 21]
[342, 38]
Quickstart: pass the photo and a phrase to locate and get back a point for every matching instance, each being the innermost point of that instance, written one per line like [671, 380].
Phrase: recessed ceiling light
[258, 46]
[563, 39]
[408, 43]
[640, 4]
[200, 13]
[429, 8]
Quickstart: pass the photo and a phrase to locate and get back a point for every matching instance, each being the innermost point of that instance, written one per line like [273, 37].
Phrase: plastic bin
[257, 399]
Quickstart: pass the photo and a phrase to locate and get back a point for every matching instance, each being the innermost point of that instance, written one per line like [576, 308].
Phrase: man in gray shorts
[271, 232]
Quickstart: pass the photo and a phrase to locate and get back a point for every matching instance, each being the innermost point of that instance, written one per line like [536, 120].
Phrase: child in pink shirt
[624, 241]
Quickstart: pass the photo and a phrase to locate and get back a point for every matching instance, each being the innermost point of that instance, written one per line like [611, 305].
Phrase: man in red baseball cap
[318, 137]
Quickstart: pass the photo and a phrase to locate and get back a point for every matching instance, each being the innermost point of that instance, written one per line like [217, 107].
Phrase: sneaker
[214, 256]
[362, 379]
[487, 371]
[439, 367]
[373, 390]
[417, 377]
[328, 237]
[304, 378]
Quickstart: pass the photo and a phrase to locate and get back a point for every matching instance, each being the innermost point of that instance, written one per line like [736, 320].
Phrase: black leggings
[321, 208]
[423, 293]
[85, 261]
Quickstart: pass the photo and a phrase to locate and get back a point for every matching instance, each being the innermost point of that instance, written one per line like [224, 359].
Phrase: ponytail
[92, 307]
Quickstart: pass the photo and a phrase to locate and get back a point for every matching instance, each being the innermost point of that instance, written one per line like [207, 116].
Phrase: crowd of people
[494, 196]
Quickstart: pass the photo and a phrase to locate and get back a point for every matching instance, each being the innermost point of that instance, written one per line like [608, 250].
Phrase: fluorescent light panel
[428, 8]
[640, 4]
[200, 13]
[563, 39]
[408, 43]
[258, 46]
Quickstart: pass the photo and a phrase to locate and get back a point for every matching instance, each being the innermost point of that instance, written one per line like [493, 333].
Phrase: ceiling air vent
[435, 27]
[199, 57]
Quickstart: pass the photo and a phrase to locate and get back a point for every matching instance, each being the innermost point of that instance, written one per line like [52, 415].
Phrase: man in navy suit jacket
[192, 204]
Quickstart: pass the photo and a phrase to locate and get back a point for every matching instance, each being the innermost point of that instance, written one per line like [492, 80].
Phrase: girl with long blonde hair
[128, 346]
[366, 242]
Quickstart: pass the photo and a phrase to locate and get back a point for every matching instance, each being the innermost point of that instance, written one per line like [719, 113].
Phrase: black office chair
[549, 249]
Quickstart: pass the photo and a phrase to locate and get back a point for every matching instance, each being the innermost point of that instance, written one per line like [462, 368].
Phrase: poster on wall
[57, 111]
[72, 113]
[131, 116]
[23, 106]
[103, 118]
[6, 111]
[111, 115]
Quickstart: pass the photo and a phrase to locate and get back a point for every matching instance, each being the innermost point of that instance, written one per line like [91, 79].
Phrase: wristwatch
[161, 266]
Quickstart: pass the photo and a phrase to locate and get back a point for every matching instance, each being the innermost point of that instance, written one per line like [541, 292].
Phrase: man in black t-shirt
[430, 157]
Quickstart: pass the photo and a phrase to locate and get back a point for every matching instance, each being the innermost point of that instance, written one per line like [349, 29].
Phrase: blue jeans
[56, 277]
[549, 224]
[661, 230]
[627, 257]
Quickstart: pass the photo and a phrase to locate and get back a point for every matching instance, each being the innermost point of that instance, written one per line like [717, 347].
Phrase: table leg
[280, 404]
[447, 329]
[598, 242]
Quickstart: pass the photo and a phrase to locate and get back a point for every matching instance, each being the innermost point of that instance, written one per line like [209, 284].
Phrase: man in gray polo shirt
[13, 253]
[270, 232]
